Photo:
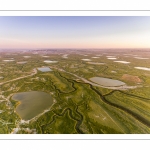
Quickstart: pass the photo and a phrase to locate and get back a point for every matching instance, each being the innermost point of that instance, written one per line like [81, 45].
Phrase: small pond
[50, 61]
[143, 68]
[44, 69]
[123, 62]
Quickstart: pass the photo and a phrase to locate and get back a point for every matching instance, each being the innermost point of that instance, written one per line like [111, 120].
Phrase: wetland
[87, 93]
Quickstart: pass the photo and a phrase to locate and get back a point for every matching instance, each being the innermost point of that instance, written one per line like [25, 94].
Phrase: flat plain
[77, 104]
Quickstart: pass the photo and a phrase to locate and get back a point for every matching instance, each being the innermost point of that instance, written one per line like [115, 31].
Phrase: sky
[33, 32]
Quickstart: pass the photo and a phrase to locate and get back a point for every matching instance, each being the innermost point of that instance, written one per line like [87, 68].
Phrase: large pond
[107, 82]
[32, 103]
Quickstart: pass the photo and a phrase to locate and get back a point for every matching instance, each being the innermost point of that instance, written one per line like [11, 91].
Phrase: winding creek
[33, 103]
[135, 115]
[122, 87]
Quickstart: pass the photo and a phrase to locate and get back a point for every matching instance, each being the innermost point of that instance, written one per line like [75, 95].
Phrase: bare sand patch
[131, 78]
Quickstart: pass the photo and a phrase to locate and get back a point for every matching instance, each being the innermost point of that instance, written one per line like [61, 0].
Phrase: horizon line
[65, 48]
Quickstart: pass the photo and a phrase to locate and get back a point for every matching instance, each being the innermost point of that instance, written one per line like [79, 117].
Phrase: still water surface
[32, 103]
[107, 82]
[44, 69]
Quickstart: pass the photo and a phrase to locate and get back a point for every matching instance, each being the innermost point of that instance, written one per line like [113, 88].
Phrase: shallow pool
[107, 82]
[32, 103]
[44, 69]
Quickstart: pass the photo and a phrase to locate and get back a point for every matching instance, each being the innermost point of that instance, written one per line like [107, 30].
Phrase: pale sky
[74, 32]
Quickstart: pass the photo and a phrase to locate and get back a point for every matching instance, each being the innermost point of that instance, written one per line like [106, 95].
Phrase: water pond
[140, 58]
[22, 62]
[44, 69]
[111, 58]
[32, 103]
[8, 60]
[95, 63]
[123, 62]
[143, 68]
[45, 56]
[107, 82]
[50, 61]
[26, 56]
[95, 57]
[86, 59]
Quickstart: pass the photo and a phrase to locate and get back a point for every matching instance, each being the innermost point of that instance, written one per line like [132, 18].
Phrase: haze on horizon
[74, 32]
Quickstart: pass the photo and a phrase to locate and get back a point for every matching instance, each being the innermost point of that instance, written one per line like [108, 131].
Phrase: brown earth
[131, 78]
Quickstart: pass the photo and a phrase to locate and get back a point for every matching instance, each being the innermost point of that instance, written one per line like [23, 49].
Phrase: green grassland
[79, 107]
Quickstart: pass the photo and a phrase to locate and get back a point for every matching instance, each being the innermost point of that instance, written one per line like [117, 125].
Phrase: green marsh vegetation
[78, 107]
